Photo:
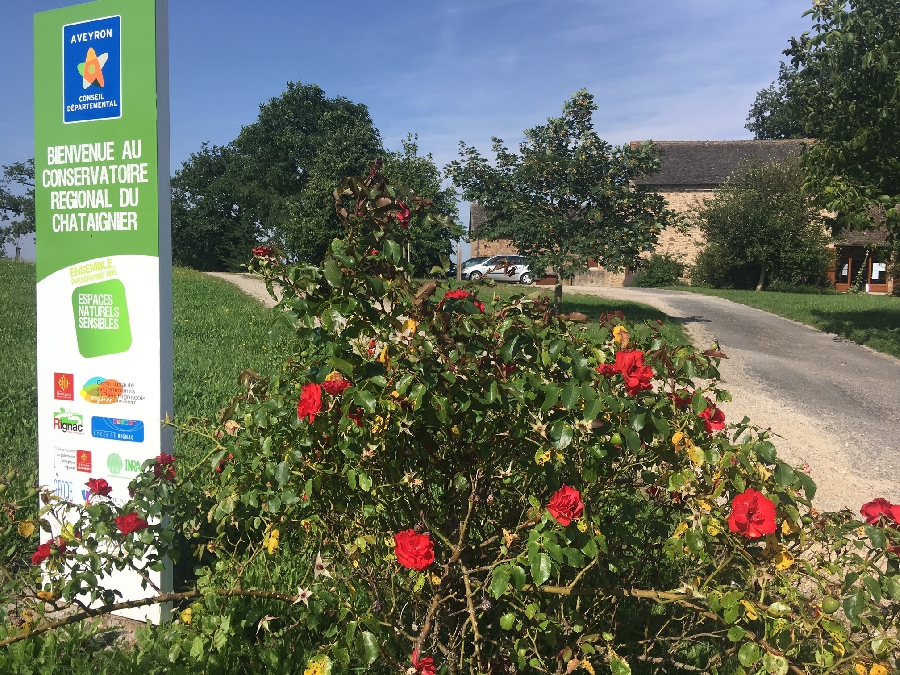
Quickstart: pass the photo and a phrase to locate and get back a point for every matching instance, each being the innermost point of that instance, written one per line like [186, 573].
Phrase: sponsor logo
[85, 494]
[63, 489]
[92, 68]
[105, 391]
[83, 461]
[63, 389]
[68, 422]
[64, 458]
[116, 465]
[115, 429]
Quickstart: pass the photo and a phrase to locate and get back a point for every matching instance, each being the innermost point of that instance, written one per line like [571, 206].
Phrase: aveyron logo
[92, 70]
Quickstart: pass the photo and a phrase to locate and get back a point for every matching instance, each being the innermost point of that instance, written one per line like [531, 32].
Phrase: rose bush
[440, 483]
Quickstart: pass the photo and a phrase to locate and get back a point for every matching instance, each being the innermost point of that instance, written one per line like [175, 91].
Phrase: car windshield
[473, 261]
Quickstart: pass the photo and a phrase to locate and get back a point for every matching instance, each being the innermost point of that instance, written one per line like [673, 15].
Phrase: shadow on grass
[878, 328]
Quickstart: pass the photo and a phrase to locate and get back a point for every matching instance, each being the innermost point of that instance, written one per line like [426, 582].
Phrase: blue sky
[450, 71]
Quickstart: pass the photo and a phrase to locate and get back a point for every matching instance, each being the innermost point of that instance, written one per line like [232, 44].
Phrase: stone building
[689, 172]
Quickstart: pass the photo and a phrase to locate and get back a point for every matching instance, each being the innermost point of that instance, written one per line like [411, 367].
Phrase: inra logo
[116, 465]
[63, 388]
[68, 422]
[92, 70]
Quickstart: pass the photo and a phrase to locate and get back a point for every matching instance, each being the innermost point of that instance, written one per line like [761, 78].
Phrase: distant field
[219, 331]
[872, 320]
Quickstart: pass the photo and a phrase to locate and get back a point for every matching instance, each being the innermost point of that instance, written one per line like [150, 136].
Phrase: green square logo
[101, 319]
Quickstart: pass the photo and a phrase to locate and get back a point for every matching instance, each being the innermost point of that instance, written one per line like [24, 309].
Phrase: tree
[567, 196]
[844, 94]
[779, 112]
[274, 181]
[210, 228]
[16, 201]
[427, 242]
[761, 225]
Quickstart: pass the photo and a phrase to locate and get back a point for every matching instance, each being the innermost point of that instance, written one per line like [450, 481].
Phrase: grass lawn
[872, 320]
[593, 306]
[219, 331]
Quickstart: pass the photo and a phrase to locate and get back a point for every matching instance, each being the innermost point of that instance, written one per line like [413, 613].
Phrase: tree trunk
[762, 279]
[557, 293]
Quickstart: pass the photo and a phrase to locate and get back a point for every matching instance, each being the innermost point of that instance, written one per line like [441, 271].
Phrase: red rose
[42, 553]
[263, 251]
[403, 215]
[335, 387]
[880, 508]
[460, 294]
[414, 550]
[713, 417]
[565, 505]
[60, 545]
[99, 486]
[310, 401]
[130, 523]
[606, 369]
[165, 467]
[423, 666]
[630, 362]
[752, 514]
[356, 416]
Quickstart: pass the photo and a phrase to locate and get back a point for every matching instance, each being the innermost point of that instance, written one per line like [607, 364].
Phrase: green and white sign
[104, 296]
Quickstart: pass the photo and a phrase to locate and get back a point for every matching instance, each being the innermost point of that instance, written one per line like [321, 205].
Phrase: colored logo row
[83, 460]
[98, 390]
[110, 428]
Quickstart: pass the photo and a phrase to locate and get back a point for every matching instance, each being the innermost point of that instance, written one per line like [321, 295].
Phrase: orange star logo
[92, 68]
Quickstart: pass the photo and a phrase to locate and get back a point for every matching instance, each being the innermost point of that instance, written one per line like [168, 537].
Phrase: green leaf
[619, 666]
[852, 608]
[569, 397]
[767, 451]
[876, 536]
[393, 250]
[698, 402]
[343, 367]
[777, 665]
[632, 440]
[736, 633]
[540, 568]
[500, 581]
[282, 473]
[784, 475]
[197, 648]
[874, 589]
[367, 647]
[517, 575]
[508, 349]
[332, 272]
[507, 621]
[809, 486]
[560, 435]
[365, 400]
[748, 654]
[365, 483]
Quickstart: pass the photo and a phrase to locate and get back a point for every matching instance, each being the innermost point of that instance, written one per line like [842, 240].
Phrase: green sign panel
[104, 294]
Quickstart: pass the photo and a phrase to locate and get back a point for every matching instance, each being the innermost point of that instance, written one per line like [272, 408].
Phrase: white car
[504, 267]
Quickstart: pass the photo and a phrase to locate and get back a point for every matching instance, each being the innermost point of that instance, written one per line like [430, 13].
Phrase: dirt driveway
[835, 404]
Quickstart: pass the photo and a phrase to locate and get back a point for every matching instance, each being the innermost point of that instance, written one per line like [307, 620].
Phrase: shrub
[434, 482]
[761, 227]
[661, 269]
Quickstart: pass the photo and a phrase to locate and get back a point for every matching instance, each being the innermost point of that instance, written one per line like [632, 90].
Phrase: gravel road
[833, 403]
[830, 403]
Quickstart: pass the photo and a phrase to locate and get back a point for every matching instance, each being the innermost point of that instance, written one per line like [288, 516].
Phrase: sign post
[104, 282]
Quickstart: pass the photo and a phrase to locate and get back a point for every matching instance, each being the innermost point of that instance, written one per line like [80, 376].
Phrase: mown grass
[871, 320]
[218, 331]
[593, 306]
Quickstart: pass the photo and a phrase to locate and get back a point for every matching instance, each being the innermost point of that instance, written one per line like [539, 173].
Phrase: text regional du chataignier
[90, 209]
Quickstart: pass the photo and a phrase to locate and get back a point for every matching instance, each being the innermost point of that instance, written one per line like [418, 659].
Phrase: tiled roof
[706, 164]
[861, 237]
